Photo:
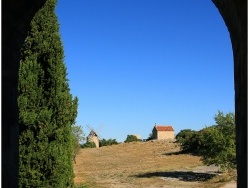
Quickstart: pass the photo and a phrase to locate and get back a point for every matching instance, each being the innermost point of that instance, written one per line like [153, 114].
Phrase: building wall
[160, 135]
[94, 139]
[165, 135]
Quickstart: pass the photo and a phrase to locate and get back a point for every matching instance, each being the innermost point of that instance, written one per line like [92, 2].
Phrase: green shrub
[189, 140]
[150, 137]
[131, 138]
[108, 142]
[89, 145]
[219, 142]
[216, 144]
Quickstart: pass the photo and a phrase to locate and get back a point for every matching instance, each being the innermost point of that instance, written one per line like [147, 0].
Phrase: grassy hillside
[144, 164]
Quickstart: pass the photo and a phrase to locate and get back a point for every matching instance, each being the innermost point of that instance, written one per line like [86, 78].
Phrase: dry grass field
[144, 164]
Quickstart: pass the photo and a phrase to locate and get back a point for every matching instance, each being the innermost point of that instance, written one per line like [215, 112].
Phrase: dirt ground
[144, 164]
[231, 184]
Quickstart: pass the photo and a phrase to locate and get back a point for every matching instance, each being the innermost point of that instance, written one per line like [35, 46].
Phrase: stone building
[160, 132]
[93, 137]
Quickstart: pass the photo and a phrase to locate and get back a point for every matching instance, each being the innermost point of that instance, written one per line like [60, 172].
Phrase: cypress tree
[47, 109]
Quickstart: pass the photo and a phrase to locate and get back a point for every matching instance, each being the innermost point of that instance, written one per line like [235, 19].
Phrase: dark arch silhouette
[16, 16]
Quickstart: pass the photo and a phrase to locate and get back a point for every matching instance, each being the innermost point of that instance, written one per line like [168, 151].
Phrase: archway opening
[149, 66]
[233, 12]
[142, 63]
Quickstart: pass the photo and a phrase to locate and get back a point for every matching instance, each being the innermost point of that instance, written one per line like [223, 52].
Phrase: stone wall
[165, 135]
[162, 135]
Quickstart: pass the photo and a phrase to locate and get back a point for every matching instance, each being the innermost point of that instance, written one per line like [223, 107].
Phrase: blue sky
[134, 63]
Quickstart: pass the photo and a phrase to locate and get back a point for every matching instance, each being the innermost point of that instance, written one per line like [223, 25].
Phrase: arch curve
[16, 16]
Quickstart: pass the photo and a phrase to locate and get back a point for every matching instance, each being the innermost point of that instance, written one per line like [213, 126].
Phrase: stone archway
[16, 16]
[234, 13]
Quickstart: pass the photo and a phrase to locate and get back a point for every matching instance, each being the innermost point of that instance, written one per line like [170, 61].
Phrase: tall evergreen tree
[47, 109]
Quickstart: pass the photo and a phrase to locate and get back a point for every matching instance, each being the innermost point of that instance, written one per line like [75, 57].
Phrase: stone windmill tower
[93, 136]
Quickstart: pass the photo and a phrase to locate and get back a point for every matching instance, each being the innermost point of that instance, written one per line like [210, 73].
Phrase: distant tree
[189, 140]
[131, 138]
[89, 145]
[78, 137]
[108, 142]
[219, 143]
[184, 135]
[150, 137]
[216, 144]
[47, 109]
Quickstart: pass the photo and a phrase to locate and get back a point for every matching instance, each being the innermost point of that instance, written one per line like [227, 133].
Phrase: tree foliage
[78, 137]
[190, 140]
[131, 138]
[108, 142]
[89, 145]
[47, 109]
[150, 137]
[219, 142]
[216, 144]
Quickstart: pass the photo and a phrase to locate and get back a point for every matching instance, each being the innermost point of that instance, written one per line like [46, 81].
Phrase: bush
[150, 137]
[131, 138]
[89, 145]
[216, 144]
[190, 141]
[219, 142]
[108, 142]
[78, 136]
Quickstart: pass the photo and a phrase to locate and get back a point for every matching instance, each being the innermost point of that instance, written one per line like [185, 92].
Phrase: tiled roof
[164, 128]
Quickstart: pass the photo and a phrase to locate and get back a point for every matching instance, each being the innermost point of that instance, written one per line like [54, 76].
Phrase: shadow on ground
[175, 153]
[181, 153]
[180, 175]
